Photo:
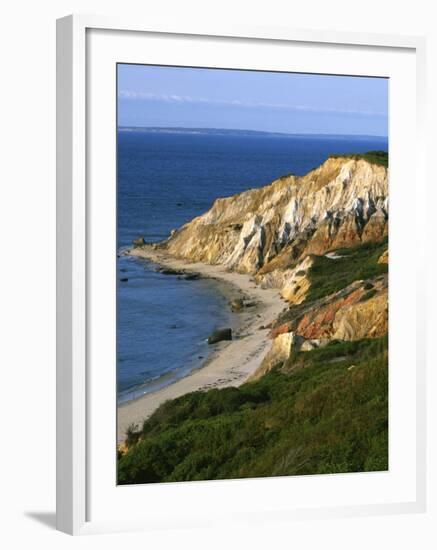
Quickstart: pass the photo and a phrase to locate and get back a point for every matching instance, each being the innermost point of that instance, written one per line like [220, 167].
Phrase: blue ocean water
[165, 180]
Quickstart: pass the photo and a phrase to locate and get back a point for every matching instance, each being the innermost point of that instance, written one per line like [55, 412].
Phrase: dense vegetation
[356, 263]
[374, 157]
[323, 411]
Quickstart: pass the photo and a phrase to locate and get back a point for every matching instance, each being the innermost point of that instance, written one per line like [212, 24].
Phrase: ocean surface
[164, 180]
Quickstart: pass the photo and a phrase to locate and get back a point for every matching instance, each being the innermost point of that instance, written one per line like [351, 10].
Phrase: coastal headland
[274, 247]
[303, 386]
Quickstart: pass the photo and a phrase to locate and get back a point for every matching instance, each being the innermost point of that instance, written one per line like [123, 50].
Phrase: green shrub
[132, 434]
[374, 157]
[356, 263]
[320, 418]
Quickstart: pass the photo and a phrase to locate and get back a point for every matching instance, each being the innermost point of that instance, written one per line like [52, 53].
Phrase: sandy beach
[231, 362]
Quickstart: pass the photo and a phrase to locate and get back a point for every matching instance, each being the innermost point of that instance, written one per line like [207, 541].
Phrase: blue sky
[275, 102]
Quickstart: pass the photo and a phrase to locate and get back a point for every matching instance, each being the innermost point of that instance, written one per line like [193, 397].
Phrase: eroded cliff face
[356, 312]
[293, 283]
[281, 349]
[277, 232]
[340, 204]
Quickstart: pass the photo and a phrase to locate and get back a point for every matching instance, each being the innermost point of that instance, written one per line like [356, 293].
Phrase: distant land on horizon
[238, 132]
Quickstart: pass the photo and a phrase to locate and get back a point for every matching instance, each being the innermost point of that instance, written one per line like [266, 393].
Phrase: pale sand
[231, 363]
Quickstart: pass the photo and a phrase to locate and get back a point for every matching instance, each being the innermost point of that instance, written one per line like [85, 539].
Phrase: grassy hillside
[356, 263]
[374, 157]
[325, 413]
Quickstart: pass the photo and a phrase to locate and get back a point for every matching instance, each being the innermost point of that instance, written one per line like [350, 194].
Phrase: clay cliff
[320, 239]
[340, 204]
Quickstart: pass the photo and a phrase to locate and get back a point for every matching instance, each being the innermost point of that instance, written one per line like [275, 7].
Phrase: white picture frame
[73, 340]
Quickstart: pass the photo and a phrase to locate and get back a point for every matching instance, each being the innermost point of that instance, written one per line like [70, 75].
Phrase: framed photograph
[240, 324]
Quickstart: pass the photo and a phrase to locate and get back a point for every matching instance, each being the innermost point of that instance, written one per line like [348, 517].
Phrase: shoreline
[228, 292]
[230, 363]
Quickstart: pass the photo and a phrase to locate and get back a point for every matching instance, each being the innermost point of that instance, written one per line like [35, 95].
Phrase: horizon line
[271, 132]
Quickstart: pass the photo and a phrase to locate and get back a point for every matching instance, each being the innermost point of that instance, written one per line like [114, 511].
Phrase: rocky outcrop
[293, 283]
[318, 322]
[366, 319]
[361, 305]
[310, 345]
[383, 259]
[340, 204]
[356, 312]
[281, 349]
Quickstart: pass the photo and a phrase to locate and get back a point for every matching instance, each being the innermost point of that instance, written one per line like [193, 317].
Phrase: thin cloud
[179, 99]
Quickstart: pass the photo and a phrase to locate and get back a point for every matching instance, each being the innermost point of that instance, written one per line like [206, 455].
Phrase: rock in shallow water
[191, 277]
[169, 271]
[219, 335]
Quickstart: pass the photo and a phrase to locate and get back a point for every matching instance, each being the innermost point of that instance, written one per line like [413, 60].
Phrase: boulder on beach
[237, 304]
[219, 335]
[139, 241]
